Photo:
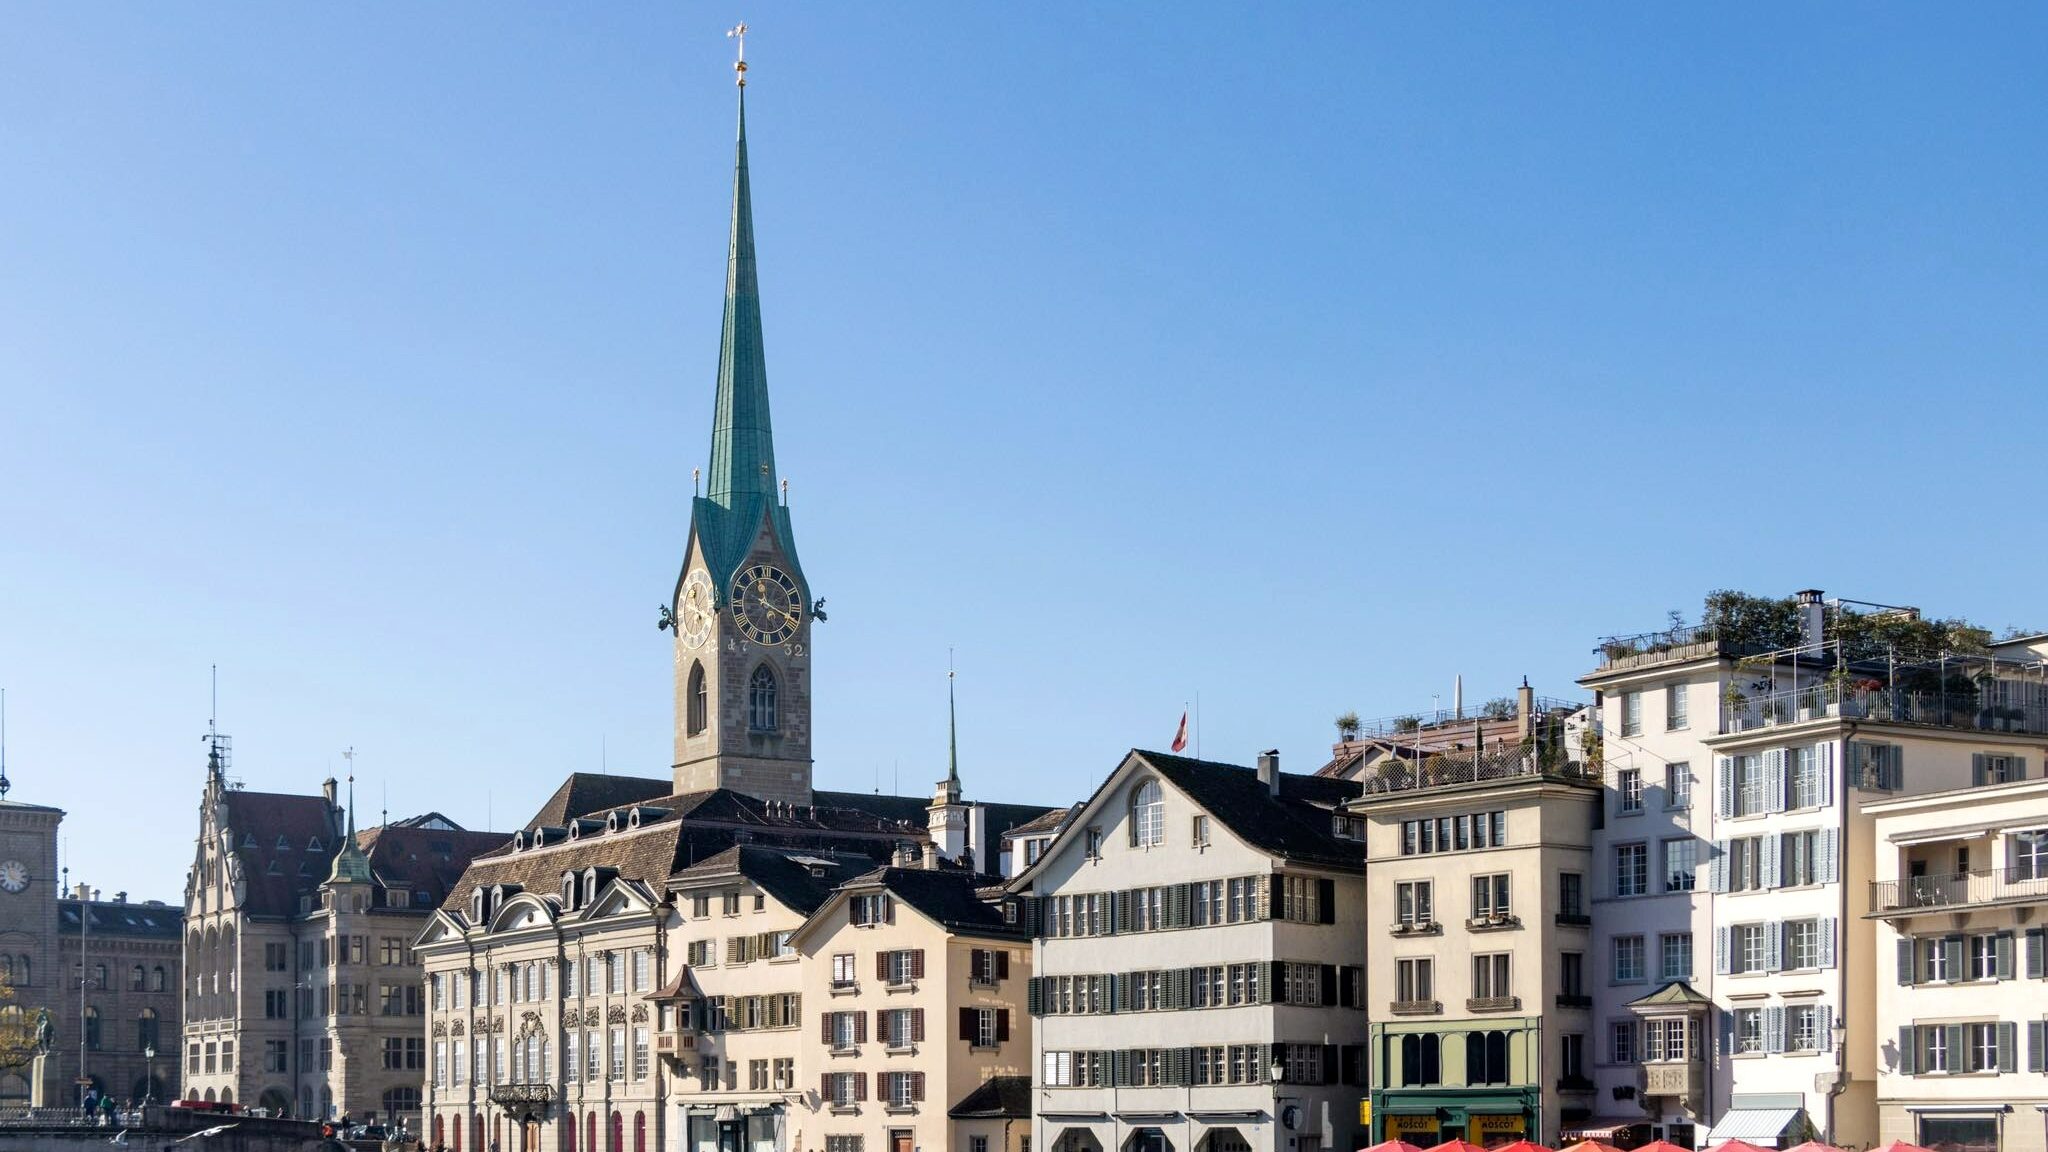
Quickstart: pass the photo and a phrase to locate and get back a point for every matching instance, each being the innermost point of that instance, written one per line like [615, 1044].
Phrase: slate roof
[427, 860]
[115, 918]
[647, 854]
[949, 897]
[910, 809]
[784, 873]
[1295, 825]
[998, 1098]
[1048, 821]
[259, 822]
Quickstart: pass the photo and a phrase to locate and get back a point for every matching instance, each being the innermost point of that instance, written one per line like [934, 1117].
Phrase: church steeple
[742, 436]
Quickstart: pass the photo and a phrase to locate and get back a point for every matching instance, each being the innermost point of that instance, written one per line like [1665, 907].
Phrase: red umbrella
[1590, 1146]
[1392, 1146]
[1746, 1146]
[1817, 1146]
[1457, 1146]
[1524, 1145]
[1902, 1146]
[1662, 1146]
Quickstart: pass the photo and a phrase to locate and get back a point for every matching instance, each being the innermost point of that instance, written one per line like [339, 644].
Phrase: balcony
[1957, 890]
[1447, 769]
[1415, 1008]
[1673, 1077]
[1868, 700]
[1494, 1004]
[521, 1097]
[1670, 646]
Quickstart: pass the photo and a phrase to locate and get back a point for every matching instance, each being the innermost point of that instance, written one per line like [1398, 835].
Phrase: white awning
[1756, 1125]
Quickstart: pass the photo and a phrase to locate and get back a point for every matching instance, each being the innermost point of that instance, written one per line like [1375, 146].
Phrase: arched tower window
[1148, 815]
[761, 700]
[697, 704]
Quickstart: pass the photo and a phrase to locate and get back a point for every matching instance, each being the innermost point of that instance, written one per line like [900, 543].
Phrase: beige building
[1476, 937]
[1957, 894]
[917, 979]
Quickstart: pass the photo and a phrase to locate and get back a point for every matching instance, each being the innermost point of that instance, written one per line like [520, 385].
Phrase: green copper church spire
[742, 439]
[952, 737]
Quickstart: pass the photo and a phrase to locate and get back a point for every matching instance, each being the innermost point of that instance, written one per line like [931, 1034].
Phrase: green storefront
[1476, 1080]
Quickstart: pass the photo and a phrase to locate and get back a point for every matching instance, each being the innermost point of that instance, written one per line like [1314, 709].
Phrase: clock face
[13, 875]
[766, 604]
[694, 609]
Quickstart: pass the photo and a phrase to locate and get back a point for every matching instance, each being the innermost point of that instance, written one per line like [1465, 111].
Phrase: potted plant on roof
[1348, 727]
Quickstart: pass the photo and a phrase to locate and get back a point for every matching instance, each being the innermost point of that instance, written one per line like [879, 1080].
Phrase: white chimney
[1458, 696]
[1269, 770]
[1813, 616]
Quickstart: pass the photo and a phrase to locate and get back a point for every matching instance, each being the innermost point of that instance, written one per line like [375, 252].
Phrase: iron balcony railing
[1886, 705]
[1448, 768]
[1959, 889]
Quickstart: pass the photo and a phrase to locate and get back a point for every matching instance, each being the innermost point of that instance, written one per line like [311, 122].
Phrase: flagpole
[1198, 723]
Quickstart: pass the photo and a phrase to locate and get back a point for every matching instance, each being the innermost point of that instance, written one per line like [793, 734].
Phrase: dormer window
[590, 886]
[570, 885]
[313, 845]
[283, 845]
[519, 841]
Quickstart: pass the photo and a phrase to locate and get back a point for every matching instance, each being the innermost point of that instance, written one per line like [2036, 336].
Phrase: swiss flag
[1180, 737]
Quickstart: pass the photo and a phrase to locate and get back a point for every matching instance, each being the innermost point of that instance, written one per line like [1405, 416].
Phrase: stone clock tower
[742, 610]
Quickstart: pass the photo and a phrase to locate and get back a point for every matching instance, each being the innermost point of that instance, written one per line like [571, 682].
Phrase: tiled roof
[426, 860]
[647, 854]
[276, 828]
[784, 873]
[946, 896]
[910, 809]
[1295, 825]
[586, 792]
[1048, 821]
[999, 1097]
[112, 918]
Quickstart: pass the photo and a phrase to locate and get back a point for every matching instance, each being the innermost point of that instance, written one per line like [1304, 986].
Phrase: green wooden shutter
[2008, 1046]
[2037, 953]
[2002, 947]
[1906, 960]
[2037, 1045]
[1909, 1050]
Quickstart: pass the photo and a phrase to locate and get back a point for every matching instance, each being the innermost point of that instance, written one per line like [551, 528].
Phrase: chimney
[1269, 770]
[1525, 709]
[1458, 696]
[331, 790]
[1813, 616]
[931, 856]
[120, 897]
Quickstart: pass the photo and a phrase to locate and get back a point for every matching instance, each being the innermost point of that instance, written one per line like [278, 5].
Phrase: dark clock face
[766, 604]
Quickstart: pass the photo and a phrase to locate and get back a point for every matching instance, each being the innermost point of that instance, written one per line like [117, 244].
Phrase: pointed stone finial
[738, 33]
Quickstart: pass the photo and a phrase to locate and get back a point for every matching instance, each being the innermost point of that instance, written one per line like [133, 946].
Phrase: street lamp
[148, 1075]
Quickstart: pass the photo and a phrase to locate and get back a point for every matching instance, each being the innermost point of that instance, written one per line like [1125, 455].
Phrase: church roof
[739, 491]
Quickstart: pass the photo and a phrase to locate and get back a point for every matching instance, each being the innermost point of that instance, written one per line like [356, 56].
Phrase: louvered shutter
[1774, 1029]
[1269, 897]
[882, 966]
[1721, 939]
[734, 947]
[1177, 909]
[1953, 947]
[1002, 1025]
[1002, 964]
[1034, 998]
[1724, 787]
[1895, 767]
[1906, 973]
[2008, 1046]
[1120, 911]
[1717, 868]
[860, 1085]
[1120, 1068]
[917, 964]
[1823, 1025]
[917, 1025]
[825, 1026]
[2002, 950]
[1909, 1050]
[1774, 944]
[1767, 852]
[1827, 773]
[1958, 1056]
[1829, 866]
[2019, 767]
[1976, 769]
[1326, 901]
[825, 1087]
[2037, 953]
[967, 1023]
[860, 1027]
[1826, 931]
[1774, 780]
[917, 1086]
[2037, 1045]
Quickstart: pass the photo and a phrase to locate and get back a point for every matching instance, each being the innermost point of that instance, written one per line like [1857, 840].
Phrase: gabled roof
[1295, 825]
[1677, 994]
[949, 898]
[998, 1098]
[647, 854]
[269, 818]
[798, 878]
[426, 859]
[1047, 821]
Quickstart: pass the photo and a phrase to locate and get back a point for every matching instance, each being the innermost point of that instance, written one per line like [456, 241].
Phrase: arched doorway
[274, 1101]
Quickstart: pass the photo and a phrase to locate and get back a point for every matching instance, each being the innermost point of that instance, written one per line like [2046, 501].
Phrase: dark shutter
[860, 1085]
[1976, 769]
[2008, 1046]
[1276, 982]
[1329, 984]
[1002, 964]
[967, 1025]
[1326, 901]
[917, 964]
[1120, 911]
[2037, 1045]
[917, 1025]
[860, 1027]
[917, 1085]
[2002, 955]
[1269, 897]
[882, 966]
[1953, 945]
[1330, 1064]
[825, 1026]
[1002, 1025]
[1906, 960]
[1034, 996]
[1120, 1068]
[825, 1087]
[2037, 953]
[1352, 1061]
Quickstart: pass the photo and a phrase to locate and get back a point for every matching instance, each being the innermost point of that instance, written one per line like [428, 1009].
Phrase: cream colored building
[1197, 986]
[1960, 884]
[1475, 941]
[918, 1033]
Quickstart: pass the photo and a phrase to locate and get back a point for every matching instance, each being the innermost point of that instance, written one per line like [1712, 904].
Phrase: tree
[19, 1042]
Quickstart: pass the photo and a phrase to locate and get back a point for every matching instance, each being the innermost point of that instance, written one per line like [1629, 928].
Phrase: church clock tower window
[699, 703]
[761, 700]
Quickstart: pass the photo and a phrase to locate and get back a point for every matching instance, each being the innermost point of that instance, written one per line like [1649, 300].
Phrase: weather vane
[739, 32]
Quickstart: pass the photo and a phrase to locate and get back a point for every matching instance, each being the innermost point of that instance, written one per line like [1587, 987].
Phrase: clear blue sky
[1304, 357]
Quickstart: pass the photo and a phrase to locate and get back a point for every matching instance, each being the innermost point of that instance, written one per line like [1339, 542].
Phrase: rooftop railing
[1887, 705]
[1446, 769]
[1959, 889]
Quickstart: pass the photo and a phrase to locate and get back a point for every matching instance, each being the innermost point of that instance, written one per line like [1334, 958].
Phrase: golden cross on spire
[739, 32]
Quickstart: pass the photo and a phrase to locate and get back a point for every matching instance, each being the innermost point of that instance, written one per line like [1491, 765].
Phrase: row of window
[1743, 864]
[1204, 1065]
[146, 1026]
[714, 1075]
[1976, 956]
[1677, 710]
[1454, 833]
[338, 951]
[612, 1055]
[1202, 986]
[1415, 901]
[846, 1031]
[1197, 904]
[615, 1133]
[1674, 1039]
[1419, 1059]
[1492, 978]
[1629, 796]
[535, 980]
[1981, 1046]
[210, 1057]
[1777, 946]
[744, 1013]
[848, 1090]
[343, 999]
[762, 703]
[739, 950]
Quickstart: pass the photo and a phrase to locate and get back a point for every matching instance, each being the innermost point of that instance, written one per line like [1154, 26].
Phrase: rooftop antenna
[5, 784]
[383, 803]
